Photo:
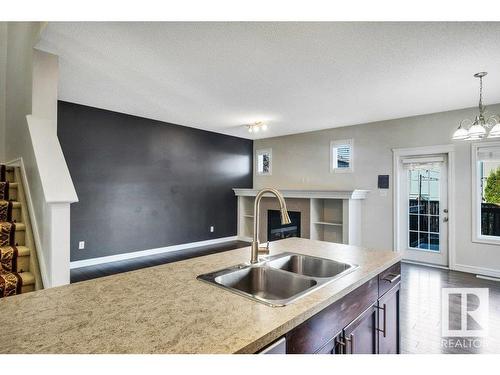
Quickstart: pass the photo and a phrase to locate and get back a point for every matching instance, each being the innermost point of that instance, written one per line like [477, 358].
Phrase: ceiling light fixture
[255, 127]
[478, 128]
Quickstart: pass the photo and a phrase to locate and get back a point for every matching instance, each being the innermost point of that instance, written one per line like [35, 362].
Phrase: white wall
[302, 161]
[21, 37]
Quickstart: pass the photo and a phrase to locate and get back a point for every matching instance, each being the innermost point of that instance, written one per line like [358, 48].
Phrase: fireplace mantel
[327, 215]
[320, 194]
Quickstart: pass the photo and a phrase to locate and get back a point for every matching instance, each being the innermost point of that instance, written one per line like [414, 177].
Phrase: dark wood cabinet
[360, 336]
[365, 321]
[388, 322]
[320, 330]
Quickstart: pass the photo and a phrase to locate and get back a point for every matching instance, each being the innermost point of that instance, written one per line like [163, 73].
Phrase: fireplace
[276, 231]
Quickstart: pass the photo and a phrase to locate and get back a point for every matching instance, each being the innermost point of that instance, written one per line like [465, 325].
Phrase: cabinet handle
[339, 341]
[350, 340]
[384, 319]
[392, 277]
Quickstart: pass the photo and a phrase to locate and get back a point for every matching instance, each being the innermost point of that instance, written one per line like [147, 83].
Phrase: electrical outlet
[81, 245]
[212, 228]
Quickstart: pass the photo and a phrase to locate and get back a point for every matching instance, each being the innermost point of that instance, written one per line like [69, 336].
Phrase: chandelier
[483, 126]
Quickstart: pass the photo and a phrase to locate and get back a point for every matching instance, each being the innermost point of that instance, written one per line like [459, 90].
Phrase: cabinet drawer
[389, 278]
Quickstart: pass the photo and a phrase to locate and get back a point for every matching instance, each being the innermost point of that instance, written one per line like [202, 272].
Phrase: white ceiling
[297, 77]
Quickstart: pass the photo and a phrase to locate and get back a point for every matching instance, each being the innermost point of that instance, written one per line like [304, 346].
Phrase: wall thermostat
[383, 181]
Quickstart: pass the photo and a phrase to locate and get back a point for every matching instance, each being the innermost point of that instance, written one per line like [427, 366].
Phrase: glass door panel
[423, 208]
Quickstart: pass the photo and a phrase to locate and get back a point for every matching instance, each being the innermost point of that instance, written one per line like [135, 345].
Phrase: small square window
[263, 162]
[341, 156]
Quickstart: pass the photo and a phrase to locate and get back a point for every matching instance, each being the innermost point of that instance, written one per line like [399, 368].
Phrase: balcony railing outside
[490, 219]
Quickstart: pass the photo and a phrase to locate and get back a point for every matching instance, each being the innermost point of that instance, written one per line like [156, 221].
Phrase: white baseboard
[477, 270]
[142, 253]
[425, 264]
[488, 278]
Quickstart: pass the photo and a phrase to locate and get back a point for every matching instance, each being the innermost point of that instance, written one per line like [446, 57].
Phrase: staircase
[19, 272]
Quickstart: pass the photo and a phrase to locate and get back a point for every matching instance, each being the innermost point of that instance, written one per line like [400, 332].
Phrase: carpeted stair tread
[20, 227]
[23, 251]
[23, 258]
[27, 283]
[28, 278]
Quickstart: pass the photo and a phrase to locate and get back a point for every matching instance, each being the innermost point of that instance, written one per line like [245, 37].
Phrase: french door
[424, 209]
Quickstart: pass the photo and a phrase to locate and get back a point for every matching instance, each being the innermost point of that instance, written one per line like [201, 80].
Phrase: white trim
[137, 254]
[476, 207]
[342, 142]
[477, 270]
[263, 151]
[398, 153]
[425, 264]
[34, 225]
[488, 278]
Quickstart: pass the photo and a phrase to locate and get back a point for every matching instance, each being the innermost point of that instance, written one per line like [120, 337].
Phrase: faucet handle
[264, 250]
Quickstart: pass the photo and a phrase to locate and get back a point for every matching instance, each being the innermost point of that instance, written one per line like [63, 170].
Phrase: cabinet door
[334, 346]
[388, 322]
[360, 337]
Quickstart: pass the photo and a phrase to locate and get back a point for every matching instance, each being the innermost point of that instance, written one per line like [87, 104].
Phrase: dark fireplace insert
[276, 231]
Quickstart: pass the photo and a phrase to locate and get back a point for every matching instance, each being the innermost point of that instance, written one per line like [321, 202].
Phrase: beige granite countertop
[164, 309]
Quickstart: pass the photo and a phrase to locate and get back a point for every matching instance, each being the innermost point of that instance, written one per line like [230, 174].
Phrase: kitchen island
[165, 309]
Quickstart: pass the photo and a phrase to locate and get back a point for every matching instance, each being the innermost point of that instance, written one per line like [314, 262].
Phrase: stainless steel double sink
[280, 279]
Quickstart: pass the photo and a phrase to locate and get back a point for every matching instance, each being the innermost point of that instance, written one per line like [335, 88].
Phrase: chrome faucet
[285, 219]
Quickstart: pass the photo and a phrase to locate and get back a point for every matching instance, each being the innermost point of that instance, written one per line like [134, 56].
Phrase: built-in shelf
[329, 215]
[327, 223]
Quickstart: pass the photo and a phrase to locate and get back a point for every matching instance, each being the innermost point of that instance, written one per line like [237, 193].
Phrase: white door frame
[398, 153]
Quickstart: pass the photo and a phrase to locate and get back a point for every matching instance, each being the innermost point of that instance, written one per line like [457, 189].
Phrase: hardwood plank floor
[106, 269]
[421, 311]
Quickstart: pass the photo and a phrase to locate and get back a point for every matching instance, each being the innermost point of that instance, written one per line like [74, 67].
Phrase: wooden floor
[100, 270]
[420, 299]
[421, 311]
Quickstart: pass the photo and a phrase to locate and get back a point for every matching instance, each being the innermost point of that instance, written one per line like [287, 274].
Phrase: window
[486, 192]
[263, 161]
[341, 156]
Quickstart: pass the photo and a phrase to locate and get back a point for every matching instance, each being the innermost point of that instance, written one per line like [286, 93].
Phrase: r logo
[464, 312]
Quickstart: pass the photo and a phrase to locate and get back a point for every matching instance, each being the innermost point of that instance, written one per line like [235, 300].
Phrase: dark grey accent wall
[145, 184]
